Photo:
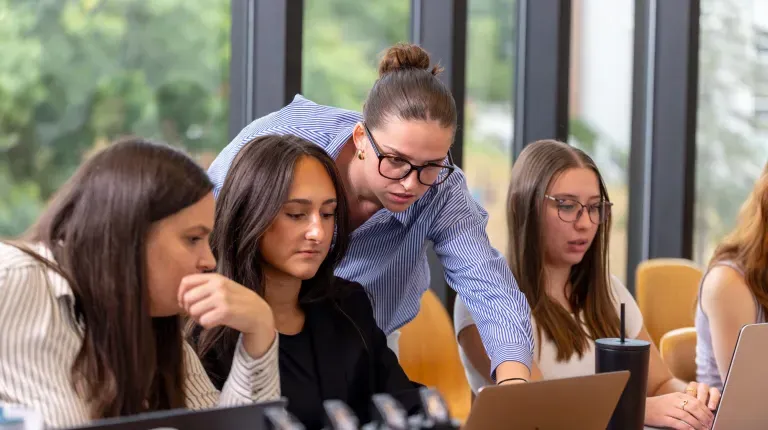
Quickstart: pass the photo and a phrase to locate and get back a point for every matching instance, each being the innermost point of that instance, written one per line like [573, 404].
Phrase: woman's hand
[213, 300]
[678, 411]
[710, 396]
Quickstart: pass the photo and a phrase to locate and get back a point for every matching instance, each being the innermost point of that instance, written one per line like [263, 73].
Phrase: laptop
[584, 402]
[743, 404]
[239, 417]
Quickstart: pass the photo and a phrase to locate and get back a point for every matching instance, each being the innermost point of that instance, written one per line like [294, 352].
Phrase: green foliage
[584, 134]
[729, 151]
[491, 50]
[343, 40]
[76, 74]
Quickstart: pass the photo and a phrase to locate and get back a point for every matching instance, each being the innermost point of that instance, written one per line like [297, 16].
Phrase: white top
[545, 353]
[39, 340]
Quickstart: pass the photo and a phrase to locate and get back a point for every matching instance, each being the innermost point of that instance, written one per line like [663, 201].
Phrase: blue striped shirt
[387, 253]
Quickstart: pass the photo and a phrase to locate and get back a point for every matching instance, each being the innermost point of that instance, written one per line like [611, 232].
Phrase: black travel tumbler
[616, 354]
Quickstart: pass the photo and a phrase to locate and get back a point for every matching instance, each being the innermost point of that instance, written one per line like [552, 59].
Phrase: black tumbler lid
[628, 345]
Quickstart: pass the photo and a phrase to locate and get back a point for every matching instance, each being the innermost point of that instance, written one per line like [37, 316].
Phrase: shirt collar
[335, 147]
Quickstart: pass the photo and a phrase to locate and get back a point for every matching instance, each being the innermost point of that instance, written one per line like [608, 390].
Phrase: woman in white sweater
[90, 300]
[559, 219]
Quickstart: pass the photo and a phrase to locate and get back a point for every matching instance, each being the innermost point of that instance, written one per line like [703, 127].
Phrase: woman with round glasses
[559, 219]
[404, 191]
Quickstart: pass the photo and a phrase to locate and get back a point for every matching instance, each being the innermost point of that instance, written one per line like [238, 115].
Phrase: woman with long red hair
[734, 291]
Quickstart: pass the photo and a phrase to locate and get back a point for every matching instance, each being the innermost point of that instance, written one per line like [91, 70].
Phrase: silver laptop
[584, 402]
[744, 405]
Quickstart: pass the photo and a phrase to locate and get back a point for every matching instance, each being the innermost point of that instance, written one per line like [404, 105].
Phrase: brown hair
[537, 167]
[408, 89]
[96, 228]
[254, 191]
[747, 244]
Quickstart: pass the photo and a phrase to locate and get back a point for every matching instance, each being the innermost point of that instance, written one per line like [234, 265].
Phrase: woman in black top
[281, 228]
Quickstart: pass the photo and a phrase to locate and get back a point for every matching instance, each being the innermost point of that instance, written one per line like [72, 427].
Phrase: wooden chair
[429, 355]
[678, 350]
[666, 291]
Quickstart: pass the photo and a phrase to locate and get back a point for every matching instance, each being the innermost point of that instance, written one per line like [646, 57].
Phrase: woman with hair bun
[404, 191]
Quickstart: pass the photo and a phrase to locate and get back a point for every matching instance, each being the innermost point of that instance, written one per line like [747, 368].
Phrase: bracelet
[511, 379]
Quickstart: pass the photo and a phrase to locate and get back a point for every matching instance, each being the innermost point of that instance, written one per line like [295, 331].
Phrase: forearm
[502, 318]
[481, 277]
[258, 340]
[499, 310]
[512, 372]
[257, 344]
[671, 385]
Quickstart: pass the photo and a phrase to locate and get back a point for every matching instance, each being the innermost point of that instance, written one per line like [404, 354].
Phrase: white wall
[606, 67]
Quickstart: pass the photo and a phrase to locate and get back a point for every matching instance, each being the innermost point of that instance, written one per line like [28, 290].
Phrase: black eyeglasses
[570, 210]
[395, 167]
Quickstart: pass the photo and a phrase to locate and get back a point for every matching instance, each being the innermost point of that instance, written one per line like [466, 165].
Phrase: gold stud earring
[360, 155]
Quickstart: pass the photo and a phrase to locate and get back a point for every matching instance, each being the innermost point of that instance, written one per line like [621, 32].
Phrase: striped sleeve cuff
[252, 379]
[520, 353]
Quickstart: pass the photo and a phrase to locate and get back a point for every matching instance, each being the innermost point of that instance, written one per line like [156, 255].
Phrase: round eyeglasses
[570, 210]
[395, 167]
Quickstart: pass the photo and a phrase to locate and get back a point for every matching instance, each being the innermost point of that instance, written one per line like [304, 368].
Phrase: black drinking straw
[622, 323]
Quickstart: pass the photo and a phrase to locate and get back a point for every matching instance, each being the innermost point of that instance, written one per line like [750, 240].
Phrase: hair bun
[402, 56]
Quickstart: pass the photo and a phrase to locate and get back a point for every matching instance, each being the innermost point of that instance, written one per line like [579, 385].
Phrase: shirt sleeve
[481, 277]
[37, 346]
[250, 380]
[632, 314]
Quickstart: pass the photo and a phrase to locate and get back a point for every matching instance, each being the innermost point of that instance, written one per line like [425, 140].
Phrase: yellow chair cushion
[678, 350]
[429, 355]
[666, 291]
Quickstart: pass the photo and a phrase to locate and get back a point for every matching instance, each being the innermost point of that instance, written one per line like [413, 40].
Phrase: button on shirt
[388, 253]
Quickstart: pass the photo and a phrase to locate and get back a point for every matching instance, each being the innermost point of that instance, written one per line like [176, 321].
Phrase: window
[342, 43]
[601, 103]
[761, 41]
[730, 150]
[761, 111]
[488, 113]
[76, 74]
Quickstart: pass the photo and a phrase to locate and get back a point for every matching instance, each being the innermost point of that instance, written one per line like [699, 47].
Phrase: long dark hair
[537, 167]
[96, 228]
[254, 191]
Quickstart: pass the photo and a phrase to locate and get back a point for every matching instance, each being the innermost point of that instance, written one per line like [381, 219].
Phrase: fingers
[675, 423]
[699, 411]
[692, 389]
[702, 393]
[194, 295]
[191, 281]
[710, 396]
[200, 308]
[213, 300]
[212, 318]
[686, 417]
[714, 398]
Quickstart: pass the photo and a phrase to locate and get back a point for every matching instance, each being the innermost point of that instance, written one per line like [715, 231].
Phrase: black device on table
[388, 414]
[250, 416]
